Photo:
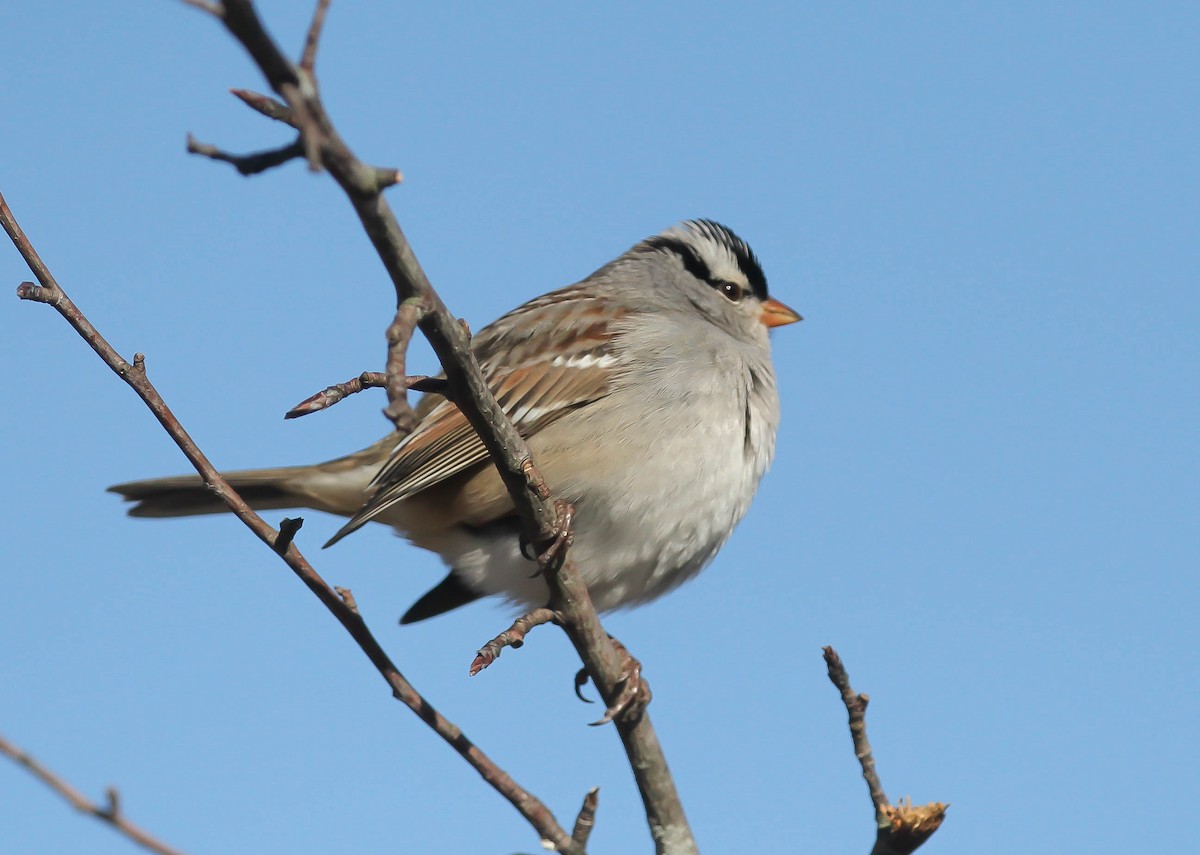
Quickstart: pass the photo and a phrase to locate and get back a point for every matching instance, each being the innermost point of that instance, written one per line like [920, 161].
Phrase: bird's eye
[731, 290]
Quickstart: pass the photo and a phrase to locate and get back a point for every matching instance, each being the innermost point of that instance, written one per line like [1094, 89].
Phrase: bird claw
[581, 678]
[561, 538]
[634, 695]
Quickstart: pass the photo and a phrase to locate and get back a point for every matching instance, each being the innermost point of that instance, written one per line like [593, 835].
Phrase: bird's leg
[634, 694]
[512, 637]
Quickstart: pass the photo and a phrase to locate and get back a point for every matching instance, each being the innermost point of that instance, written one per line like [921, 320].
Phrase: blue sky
[986, 490]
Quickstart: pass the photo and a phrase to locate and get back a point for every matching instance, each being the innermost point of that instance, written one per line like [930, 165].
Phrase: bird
[647, 395]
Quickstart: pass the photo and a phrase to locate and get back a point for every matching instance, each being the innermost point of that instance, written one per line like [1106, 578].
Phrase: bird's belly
[633, 551]
[639, 531]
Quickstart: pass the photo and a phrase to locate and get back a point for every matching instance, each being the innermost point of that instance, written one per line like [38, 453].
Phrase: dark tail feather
[338, 486]
[187, 496]
[445, 596]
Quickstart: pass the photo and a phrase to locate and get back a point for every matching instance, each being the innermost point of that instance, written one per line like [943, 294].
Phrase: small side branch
[330, 395]
[399, 334]
[109, 813]
[901, 828]
[586, 820]
[265, 105]
[376, 177]
[513, 637]
[308, 58]
[856, 707]
[248, 164]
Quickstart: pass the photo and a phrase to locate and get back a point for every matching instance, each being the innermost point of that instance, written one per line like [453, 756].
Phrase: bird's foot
[634, 692]
[561, 538]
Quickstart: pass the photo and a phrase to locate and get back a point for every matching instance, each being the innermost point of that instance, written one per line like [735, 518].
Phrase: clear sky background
[987, 487]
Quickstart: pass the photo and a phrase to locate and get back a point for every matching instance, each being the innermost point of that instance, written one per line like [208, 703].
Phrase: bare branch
[513, 637]
[110, 813]
[408, 314]
[248, 164]
[49, 291]
[330, 395]
[508, 451]
[308, 58]
[268, 106]
[381, 177]
[900, 828]
[856, 707]
[586, 819]
[295, 86]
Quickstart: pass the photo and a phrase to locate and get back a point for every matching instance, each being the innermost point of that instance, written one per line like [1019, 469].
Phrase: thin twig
[49, 291]
[110, 813]
[239, 16]
[513, 637]
[265, 105]
[330, 395]
[399, 334]
[379, 177]
[586, 819]
[901, 828]
[308, 57]
[248, 164]
[856, 708]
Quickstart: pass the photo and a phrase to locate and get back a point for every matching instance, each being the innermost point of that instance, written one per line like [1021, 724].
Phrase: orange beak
[775, 314]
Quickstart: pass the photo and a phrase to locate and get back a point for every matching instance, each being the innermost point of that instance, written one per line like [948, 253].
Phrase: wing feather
[571, 364]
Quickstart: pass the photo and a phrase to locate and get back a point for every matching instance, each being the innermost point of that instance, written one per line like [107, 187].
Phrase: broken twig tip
[287, 533]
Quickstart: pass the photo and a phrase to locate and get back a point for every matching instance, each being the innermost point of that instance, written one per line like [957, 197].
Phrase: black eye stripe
[692, 262]
[747, 262]
[695, 265]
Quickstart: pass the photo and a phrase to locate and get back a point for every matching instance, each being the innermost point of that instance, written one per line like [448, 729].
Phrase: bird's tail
[338, 486]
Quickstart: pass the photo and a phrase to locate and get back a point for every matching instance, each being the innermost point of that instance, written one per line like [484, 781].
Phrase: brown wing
[542, 360]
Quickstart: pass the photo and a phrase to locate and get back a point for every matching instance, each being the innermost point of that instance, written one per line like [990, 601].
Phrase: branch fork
[110, 812]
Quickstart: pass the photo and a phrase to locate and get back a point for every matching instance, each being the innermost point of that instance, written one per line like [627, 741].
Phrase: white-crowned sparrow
[648, 399]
